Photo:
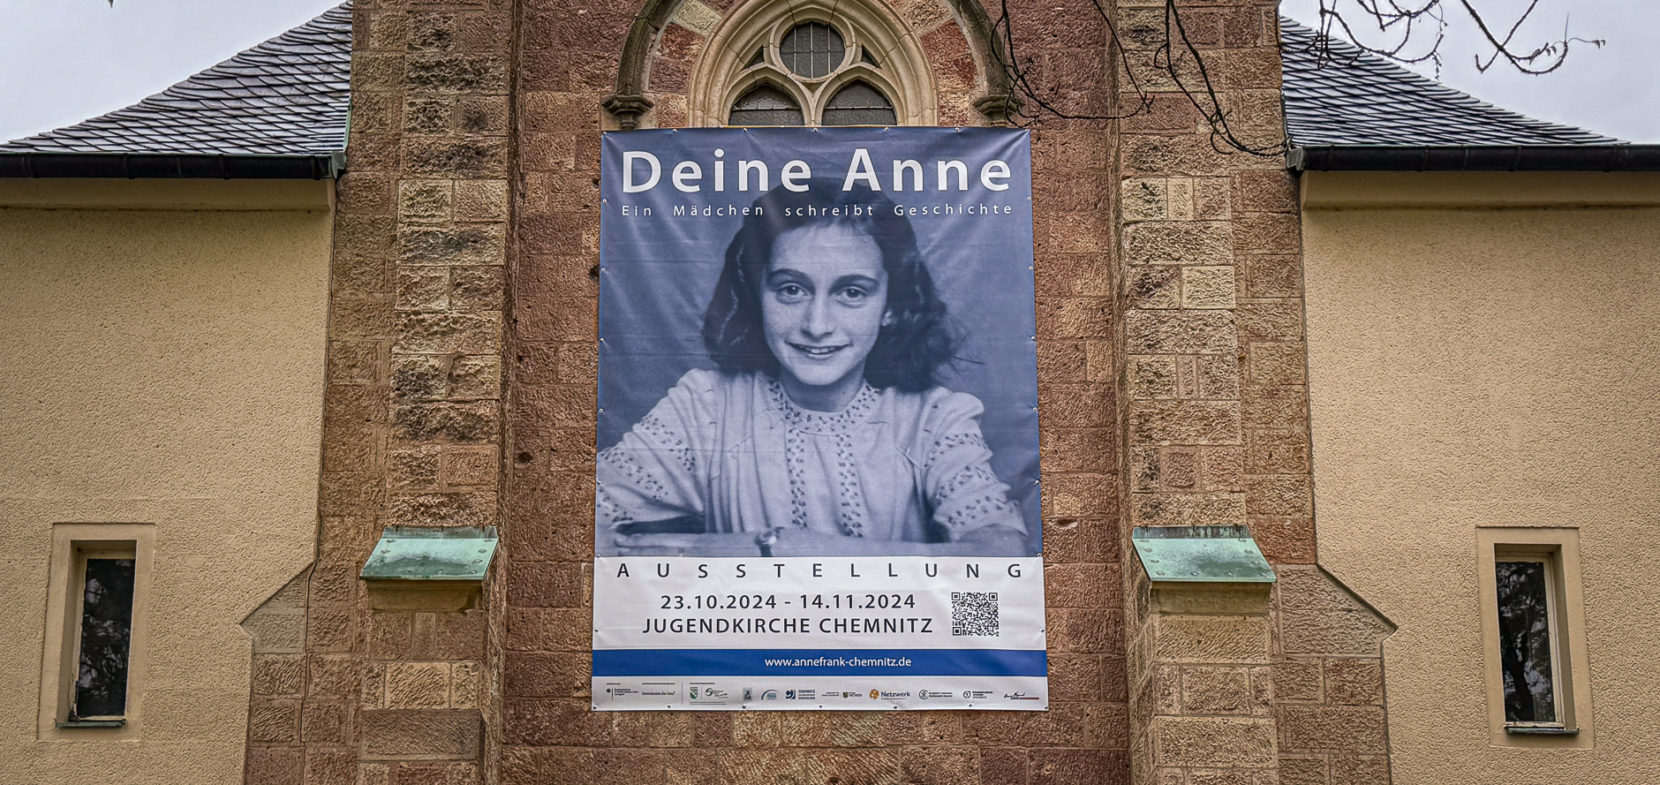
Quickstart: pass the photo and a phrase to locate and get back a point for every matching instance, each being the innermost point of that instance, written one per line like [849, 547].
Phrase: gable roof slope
[278, 109]
[1346, 108]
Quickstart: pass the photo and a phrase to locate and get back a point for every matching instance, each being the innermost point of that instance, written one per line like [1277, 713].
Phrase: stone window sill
[115, 723]
[1540, 730]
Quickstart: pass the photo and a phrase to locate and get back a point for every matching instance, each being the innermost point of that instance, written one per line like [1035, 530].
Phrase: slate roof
[1359, 98]
[287, 97]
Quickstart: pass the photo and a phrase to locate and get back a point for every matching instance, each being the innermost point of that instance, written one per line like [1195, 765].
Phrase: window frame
[1558, 550]
[72, 545]
[85, 552]
[723, 74]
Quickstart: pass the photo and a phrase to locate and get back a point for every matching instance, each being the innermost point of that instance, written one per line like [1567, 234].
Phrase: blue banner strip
[820, 662]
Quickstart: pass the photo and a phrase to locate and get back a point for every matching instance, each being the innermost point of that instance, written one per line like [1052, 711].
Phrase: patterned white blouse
[736, 453]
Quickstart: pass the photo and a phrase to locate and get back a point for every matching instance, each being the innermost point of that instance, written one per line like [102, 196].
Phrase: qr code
[974, 613]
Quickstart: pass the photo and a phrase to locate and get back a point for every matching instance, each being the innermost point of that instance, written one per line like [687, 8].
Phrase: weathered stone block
[428, 114]
[1279, 494]
[460, 245]
[471, 508]
[277, 721]
[1155, 286]
[438, 774]
[333, 675]
[1187, 509]
[469, 466]
[1213, 741]
[417, 685]
[475, 377]
[1298, 680]
[1337, 728]
[1144, 199]
[478, 288]
[275, 765]
[1184, 422]
[1360, 769]
[438, 156]
[1179, 468]
[1216, 690]
[413, 468]
[1179, 242]
[457, 73]
[417, 377]
[1211, 639]
[466, 685]
[1277, 363]
[1350, 680]
[423, 289]
[481, 200]
[325, 722]
[1179, 332]
[1207, 287]
[1301, 770]
[424, 201]
[1273, 275]
[468, 423]
[278, 674]
[430, 734]
[448, 333]
[1152, 377]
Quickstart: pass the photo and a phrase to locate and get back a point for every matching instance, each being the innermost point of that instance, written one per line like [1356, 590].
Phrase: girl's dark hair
[909, 351]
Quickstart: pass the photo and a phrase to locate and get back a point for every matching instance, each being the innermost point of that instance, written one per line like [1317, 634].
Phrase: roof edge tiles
[1620, 157]
[278, 110]
[159, 166]
[1347, 109]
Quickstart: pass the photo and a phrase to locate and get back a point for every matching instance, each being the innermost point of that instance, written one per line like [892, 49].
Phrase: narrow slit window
[1528, 639]
[104, 638]
[765, 105]
[859, 104]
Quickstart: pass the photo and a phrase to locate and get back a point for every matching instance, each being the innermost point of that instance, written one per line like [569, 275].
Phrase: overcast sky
[62, 61]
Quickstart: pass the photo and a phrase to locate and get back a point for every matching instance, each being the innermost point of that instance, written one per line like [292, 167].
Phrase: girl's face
[824, 300]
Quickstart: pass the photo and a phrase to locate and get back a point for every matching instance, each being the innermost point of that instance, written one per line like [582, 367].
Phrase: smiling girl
[824, 430]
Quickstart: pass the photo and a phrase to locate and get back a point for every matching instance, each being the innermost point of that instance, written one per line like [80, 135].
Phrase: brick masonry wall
[412, 411]
[462, 329]
[1217, 422]
[568, 65]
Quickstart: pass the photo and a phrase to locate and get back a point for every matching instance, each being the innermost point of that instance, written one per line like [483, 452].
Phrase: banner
[818, 451]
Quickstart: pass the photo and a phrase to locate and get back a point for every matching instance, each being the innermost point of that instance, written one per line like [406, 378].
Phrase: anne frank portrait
[820, 421]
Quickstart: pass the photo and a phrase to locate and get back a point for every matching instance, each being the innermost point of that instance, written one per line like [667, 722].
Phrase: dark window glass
[867, 57]
[106, 631]
[812, 50]
[1525, 642]
[759, 58]
[765, 105]
[859, 104]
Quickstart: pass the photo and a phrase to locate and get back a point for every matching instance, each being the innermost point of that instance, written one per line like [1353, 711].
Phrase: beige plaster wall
[1484, 350]
[161, 364]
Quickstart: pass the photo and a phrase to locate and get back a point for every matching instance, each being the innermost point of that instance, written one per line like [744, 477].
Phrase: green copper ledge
[1202, 554]
[416, 553]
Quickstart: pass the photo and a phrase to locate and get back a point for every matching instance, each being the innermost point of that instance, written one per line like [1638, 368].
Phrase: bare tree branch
[1399, 23]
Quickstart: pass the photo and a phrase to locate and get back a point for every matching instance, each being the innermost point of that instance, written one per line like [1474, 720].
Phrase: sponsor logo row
[715, 694]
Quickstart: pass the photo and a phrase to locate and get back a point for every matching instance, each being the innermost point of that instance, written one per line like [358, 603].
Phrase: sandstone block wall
[462, 386]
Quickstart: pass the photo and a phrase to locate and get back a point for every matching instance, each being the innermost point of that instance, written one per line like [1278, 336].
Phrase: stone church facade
[424, 355]
[461, 390]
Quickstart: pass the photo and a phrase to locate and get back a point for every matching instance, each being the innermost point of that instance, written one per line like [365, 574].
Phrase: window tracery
[814, 64]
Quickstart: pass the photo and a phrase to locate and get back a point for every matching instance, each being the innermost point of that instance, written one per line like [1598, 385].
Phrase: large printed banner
[818, 451]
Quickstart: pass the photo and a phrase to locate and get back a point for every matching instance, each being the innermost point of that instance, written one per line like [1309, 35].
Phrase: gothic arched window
[814, 63]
